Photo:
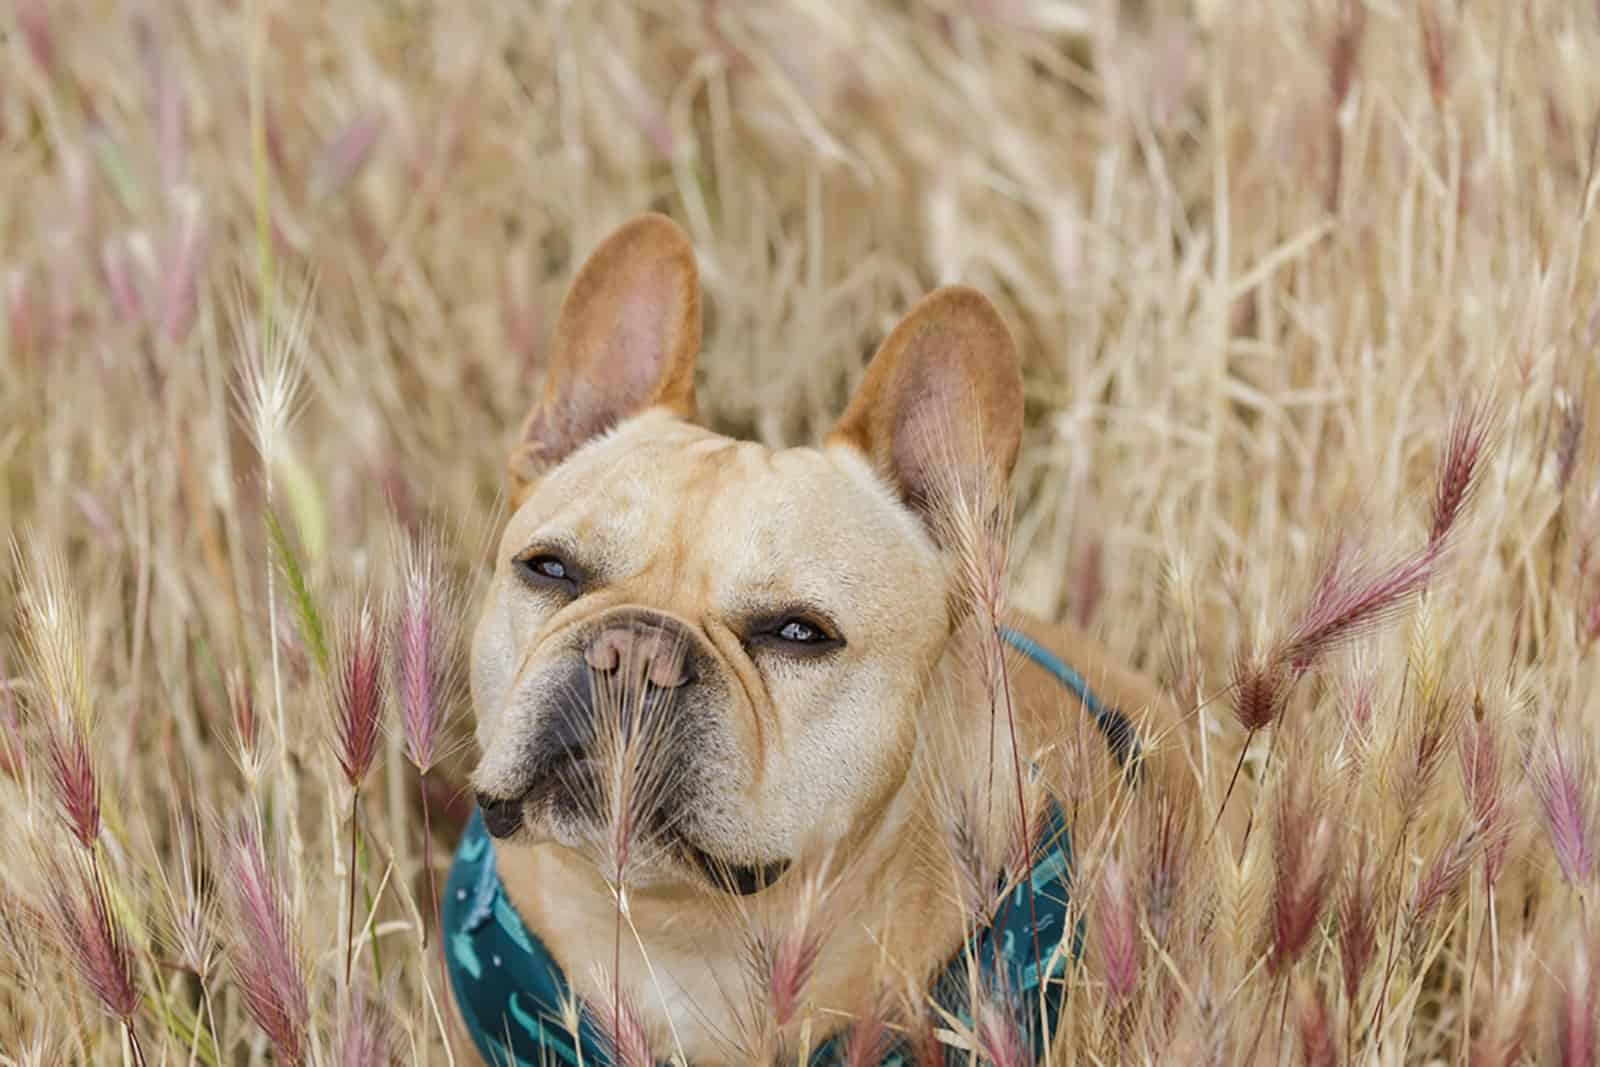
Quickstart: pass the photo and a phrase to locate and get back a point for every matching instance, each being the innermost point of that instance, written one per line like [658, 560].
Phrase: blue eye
[550, 567]
[800, 632]
[546, 569]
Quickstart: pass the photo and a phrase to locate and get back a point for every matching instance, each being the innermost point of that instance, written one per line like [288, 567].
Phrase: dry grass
[1255, 256]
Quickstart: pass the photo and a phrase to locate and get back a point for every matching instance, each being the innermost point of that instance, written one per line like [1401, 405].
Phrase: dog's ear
[940, 408]
[626, 339]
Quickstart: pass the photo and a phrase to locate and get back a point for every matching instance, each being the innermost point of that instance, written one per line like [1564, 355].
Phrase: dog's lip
[740, 879]
[502, 816]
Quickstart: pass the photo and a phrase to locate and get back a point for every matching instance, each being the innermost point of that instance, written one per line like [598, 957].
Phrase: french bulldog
[721, 687]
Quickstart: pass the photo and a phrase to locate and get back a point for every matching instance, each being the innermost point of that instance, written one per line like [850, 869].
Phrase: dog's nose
[500, 817]
[642, 651]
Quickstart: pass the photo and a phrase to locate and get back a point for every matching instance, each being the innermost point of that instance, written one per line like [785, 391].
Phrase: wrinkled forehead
[729, 520]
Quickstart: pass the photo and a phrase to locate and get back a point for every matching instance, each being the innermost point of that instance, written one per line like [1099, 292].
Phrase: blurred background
[1254, 254]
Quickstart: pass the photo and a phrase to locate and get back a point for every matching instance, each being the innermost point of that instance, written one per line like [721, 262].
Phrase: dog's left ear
[940, 408]
[626, 339]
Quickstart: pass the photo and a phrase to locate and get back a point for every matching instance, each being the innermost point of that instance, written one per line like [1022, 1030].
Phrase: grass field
[1307, 297]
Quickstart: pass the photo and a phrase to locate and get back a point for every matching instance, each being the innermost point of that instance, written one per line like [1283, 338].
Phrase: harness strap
[1119, 733]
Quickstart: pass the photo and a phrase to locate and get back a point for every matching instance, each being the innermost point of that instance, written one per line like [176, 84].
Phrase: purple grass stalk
[1174, 829]
[995, 1032]
[179, 299]
[1117, 933]
[1576, 1040]
[1260, 688]
[345, 154]
[1439, 720]
[1445, 873]
[166, 101]
[622, 1032]
[171, 126]
[10, 727]
[365, 1036]
[359, 691]
[1316, 1034]
[426, 674]
[1358, 693]
[80, 906]
[358, 698]
[1500, 1042]
[869, 1038]
[786, 959]
[1434, 59]
[246, 722]
[1358, 927]
[190, 913]
[1591, 619]
[1305, 856]
[976, 874]
[1427, 751]
[923, 1041]
[117, 273]
[1460, 469]
[1561, 774]
[1568, 439]
[1350, 599]
[427, 680]
[73, 780]
[264, 950]
[33, 23]
[1482, 781]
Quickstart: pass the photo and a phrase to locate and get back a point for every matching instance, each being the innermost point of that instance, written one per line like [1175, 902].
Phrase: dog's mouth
[570, 786]
[740, 879]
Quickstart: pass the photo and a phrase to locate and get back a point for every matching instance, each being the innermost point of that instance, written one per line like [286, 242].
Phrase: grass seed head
[428, 680]
[73, 780]
[264, 948]
[1318, 1047]
[1000, 1041]
[622, 1031]
[360, 684]
[365, 1035]
[786, 957]
[1305, 859]
[92, 935]
[1358, 922]
[1460, 469]
[1576, 1038]
[1117, 932]
[1260, 685]
[1563, 778]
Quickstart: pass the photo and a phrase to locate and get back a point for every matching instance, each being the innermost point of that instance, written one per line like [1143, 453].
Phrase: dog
[791, 633]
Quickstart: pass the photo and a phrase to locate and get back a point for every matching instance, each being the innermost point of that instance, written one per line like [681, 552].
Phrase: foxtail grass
[1309, 409]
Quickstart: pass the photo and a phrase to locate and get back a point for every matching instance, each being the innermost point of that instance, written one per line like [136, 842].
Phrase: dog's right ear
[626, 340]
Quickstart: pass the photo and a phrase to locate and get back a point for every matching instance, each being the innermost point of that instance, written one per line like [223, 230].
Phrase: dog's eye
[796, 635]
[550, 567]
[800, 632]
[547, 569]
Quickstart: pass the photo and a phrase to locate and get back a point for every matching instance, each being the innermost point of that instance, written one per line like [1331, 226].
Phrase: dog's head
[703, 642]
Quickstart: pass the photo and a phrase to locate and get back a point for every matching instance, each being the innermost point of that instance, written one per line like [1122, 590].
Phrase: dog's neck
[891, 917]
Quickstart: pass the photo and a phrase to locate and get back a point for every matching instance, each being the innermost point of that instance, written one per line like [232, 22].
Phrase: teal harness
[514, 1001]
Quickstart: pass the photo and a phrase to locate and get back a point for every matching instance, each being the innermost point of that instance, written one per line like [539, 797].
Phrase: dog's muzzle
[627, 673]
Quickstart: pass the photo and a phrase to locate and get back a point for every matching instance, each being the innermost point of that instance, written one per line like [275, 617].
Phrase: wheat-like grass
[1283, 275]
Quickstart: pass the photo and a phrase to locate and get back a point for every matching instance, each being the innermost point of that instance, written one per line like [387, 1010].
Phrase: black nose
[501, 818]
